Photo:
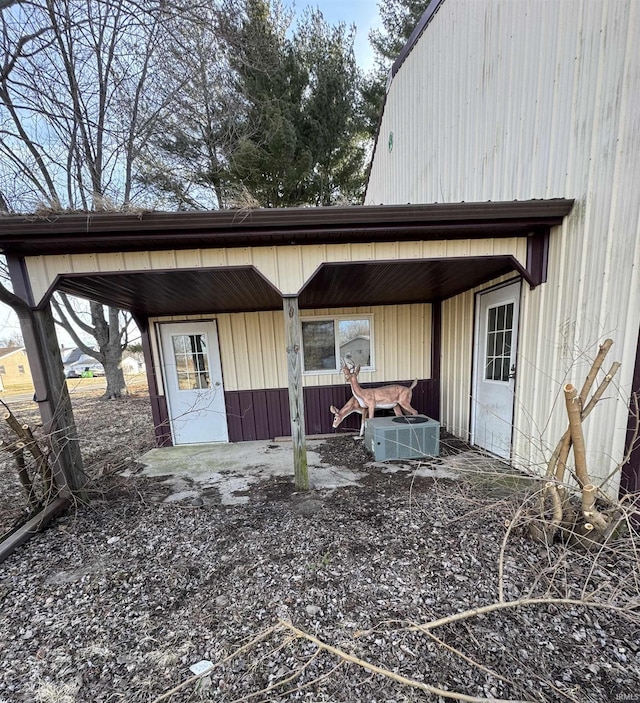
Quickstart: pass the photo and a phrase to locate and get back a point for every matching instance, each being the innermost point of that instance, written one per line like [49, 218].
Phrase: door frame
[160, 325]
[476, 355]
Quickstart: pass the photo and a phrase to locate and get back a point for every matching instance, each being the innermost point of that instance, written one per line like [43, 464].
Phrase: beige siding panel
[116, 261]
[265, 259]
[189, 258]
[457, 349]
[290, 277]
[240, 350]
[253, 354]
[89, 262]
[313, 258]
[505, 100]
[227, 352]
[42, 273]
[213, 257]
[272, 342]
[239, 257]
[133, 261]
[362, 252]
[162, 260]
[288, 269]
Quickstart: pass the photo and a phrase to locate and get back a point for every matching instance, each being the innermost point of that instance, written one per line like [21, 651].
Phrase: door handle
[512, 371]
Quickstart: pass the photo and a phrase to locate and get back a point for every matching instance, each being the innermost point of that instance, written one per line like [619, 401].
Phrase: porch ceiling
[399, 282]
[242, 289]
[184, 292]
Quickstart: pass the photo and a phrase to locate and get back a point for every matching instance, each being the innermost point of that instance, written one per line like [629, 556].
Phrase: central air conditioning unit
[406, 437]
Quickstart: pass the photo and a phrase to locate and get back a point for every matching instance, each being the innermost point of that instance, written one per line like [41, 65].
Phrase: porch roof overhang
[237, 289]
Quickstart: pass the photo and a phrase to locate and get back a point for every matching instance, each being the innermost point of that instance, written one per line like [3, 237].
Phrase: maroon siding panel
[160, 415]
[159, 408]
[264, 414]
[234, 425]
[277, 413]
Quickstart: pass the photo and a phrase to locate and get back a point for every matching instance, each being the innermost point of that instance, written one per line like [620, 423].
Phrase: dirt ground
[119, 598]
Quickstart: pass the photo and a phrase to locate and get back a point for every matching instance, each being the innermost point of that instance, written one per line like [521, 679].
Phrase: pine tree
[303, 132]
[399, 19]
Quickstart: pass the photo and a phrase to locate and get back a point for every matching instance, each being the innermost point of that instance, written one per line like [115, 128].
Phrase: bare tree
[186, 162]
[109, 326]
[75, 109]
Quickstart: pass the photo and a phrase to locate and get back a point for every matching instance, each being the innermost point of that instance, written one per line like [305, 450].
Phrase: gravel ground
[121, 596]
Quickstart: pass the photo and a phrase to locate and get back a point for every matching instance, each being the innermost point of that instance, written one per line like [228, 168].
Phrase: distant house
[14, 368]
[357, 351]
[132, 363]
[76, 363]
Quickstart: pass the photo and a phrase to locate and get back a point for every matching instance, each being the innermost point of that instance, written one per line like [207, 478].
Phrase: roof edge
[93, 232]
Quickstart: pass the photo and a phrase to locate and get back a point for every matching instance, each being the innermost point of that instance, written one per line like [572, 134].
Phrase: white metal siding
[512, 100]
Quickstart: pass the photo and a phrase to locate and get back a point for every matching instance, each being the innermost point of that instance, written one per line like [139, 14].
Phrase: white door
[496, 335]
[193, 382]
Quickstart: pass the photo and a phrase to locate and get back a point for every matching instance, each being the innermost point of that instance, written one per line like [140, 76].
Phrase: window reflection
[191, 361]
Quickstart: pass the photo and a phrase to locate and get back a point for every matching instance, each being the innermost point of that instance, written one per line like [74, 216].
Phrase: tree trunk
[116, 386]
[109, 337]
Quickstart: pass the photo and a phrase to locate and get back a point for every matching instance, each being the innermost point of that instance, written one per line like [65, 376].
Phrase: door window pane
[499, 333]
[191, 361]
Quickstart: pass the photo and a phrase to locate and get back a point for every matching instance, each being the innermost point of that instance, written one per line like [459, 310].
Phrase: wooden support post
[52, 396]
[296, 402]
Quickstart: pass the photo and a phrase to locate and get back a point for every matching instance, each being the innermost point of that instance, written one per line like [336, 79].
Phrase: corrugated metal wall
[253, 356]
[505, 100]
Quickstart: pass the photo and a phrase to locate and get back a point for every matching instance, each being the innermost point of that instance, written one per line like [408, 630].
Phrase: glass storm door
[496, 335]
[193, 382]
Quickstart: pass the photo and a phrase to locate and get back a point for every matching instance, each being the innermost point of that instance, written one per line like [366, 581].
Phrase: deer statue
[368, 399]
[352, 406]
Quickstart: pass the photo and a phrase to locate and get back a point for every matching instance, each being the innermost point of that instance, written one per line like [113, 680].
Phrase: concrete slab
[232, 469]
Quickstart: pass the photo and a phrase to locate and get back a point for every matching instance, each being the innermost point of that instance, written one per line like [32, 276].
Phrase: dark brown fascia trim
[538, 256]
[524, 272]
[296, 219]
[110, 232]
[20, 279]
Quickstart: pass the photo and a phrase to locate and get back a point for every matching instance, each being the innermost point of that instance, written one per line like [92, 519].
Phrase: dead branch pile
[35, 475]
[585, 523]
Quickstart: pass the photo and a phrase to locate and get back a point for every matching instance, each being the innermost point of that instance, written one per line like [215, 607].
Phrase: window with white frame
[328, 341]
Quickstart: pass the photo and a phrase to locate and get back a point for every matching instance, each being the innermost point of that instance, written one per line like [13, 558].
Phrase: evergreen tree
[399, 19]
[272, 158]
[302, 138]
[333, 123]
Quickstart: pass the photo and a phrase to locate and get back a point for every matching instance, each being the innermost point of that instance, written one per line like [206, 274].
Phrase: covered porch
[185, 265]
